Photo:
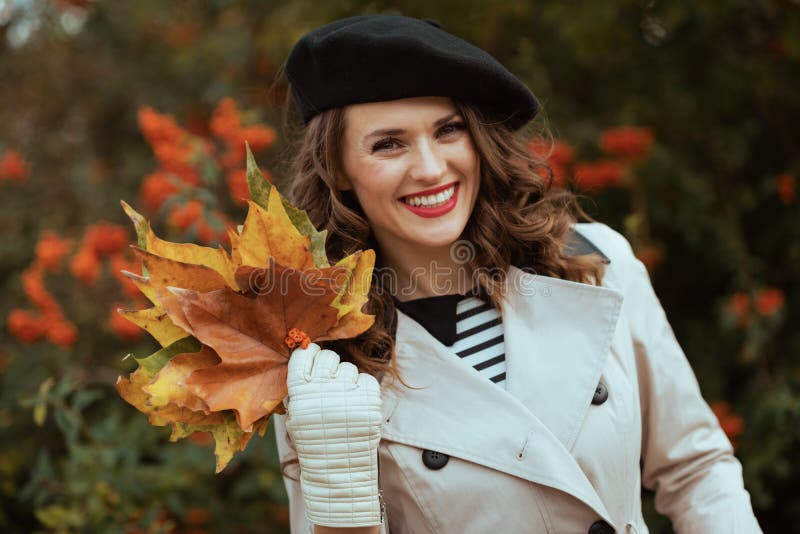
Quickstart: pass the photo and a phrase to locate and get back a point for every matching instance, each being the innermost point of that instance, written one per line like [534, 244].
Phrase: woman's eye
[391, 143]
[451, 127]
[384, 144]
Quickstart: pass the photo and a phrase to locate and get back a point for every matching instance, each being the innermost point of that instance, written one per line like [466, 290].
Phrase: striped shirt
[479, 338]
[467, 324]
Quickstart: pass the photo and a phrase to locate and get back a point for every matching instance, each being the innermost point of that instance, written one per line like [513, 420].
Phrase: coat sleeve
[297, 511]
[687, 460]
[286, 452]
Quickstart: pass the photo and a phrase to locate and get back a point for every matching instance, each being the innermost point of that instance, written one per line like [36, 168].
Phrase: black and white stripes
[479, 340]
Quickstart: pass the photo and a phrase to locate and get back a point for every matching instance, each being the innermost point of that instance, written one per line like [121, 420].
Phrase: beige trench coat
[538, 456]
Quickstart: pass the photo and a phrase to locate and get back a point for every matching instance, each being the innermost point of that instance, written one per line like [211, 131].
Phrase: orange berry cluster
[624, 146]
[48, 321]
[99, 241]
[731, 422]
[226, 124]
[181, 154]
[627, 142]
[295, 337]
[174, 147]
[766, 302]
[12, 167]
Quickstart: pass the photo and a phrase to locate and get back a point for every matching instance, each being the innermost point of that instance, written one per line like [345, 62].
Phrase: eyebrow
[399, 131]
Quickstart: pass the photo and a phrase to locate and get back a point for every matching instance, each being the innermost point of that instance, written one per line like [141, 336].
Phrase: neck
[424, 272]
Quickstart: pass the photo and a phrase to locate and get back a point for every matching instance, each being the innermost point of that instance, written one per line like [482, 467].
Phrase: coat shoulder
[623, 265]
[612, 244]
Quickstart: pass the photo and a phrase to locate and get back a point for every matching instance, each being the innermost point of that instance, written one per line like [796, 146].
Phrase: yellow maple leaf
[156, 322]
[271, 234]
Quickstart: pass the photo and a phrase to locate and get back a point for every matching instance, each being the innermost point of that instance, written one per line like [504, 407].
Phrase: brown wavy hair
[518, 218]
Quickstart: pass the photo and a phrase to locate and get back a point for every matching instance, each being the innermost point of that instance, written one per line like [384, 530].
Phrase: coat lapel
[557, 337]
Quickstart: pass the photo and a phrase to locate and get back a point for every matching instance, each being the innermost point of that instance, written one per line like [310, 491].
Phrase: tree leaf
[260, 192]
[236, 257]
[251, 390]
[132, 390]
[228, 323]
[183, 420]
[355, 296]
[166, 272]
[258, 186]
[40, 407]
[143, 284]
[156, 322]
[215, 258]
[228, 437]
[140, 224]
[152, 364]
[168, 387]
[248, 336]
[270, 234]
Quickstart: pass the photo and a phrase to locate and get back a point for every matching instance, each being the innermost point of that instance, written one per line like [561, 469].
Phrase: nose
[429, 164]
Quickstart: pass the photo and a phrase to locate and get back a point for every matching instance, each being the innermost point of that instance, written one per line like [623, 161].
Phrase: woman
[521, 375]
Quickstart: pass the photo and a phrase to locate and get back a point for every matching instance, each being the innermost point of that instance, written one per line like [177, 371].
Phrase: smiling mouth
[432, 200]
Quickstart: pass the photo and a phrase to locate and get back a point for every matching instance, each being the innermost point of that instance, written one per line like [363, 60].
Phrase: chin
[438, 239]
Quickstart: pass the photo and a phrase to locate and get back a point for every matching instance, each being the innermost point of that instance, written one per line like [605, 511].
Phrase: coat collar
[557, 337]
[438, 313]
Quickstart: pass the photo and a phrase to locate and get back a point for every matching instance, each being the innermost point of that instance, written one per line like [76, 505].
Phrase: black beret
[373, 58]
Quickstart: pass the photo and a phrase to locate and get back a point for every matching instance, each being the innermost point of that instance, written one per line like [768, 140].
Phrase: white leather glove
[334, 419]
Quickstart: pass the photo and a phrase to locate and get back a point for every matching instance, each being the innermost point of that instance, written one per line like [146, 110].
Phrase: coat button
[433, 459]
[601, 527]
[600, 394]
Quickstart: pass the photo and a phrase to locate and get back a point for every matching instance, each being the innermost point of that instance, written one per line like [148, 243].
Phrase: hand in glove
[334, 419]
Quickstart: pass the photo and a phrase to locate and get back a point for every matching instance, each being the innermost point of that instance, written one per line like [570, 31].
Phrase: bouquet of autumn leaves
[227, 323]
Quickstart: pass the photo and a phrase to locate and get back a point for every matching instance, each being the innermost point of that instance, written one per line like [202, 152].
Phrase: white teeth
[431, 200]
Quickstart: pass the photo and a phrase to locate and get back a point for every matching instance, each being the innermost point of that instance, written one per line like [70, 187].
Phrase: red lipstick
[431, 191]
[438, 211]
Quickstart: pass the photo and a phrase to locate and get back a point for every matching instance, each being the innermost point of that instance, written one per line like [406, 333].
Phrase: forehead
[403, 113]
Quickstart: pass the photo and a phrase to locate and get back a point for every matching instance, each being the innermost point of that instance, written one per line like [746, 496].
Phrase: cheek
[374, 188]
[469, 166]
[465, 157]
[376, 182]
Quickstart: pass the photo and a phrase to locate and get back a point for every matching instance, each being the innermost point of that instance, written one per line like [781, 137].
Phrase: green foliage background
[716, 81]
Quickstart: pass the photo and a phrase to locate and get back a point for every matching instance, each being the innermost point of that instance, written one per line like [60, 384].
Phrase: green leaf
[60, 517]
[139, 224]
[228, 437]
[152, 364]
[39, 413]
[258, 186]
[40, 408]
